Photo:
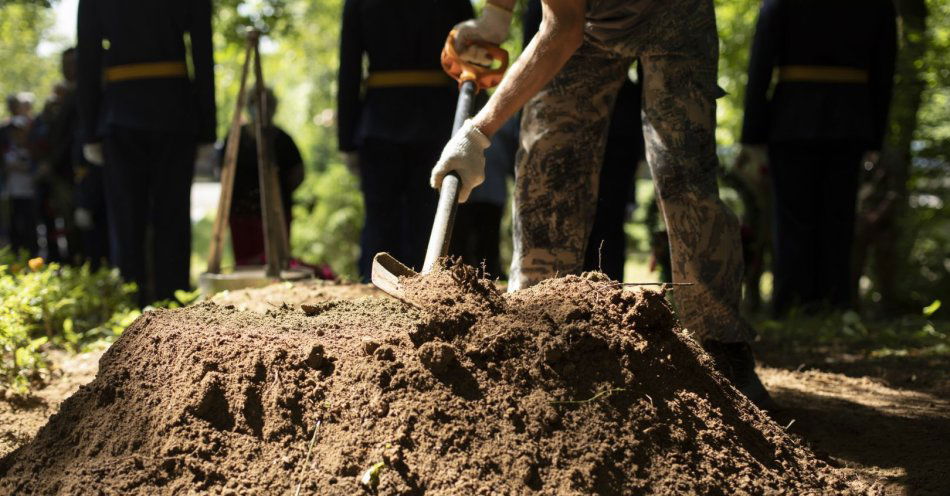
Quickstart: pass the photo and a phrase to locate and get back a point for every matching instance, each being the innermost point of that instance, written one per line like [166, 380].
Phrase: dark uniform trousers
[148, 178]
[90, 195]
[814, 187]
[400, 123]
[399, 204]
[148, 107]
[834, 63]
[607, 243]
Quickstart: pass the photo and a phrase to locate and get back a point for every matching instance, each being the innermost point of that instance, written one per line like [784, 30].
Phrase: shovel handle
[444, 219]
[441, 234]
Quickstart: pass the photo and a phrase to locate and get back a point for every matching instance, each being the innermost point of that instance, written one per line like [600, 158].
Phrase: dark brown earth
[573, 386]
[21, 416]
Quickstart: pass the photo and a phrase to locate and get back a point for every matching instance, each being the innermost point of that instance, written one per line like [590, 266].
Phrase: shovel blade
[386, 273]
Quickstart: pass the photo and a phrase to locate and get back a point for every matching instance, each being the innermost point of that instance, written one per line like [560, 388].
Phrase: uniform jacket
[120, 32]
[855, 34]
[395, 36]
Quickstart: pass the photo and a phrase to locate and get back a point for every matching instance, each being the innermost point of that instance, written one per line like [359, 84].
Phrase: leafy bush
[927, 333]
[48, 304]
[328, 218]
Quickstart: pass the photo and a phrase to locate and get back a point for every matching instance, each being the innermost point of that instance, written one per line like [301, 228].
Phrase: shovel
[387, 272]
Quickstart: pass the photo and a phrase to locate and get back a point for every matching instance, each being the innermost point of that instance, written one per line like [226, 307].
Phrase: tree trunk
[880, 230]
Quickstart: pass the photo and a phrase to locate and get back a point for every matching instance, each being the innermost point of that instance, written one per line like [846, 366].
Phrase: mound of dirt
[574, 386]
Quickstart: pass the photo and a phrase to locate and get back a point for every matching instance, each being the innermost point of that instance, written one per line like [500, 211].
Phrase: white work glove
[93, 153]
[871, 159]
[464, 154]
[205, 157]
[83, 218]
[755, 157]
[492, 27]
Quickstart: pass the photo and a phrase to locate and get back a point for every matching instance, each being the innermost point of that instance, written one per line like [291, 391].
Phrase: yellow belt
[821, 74]
[148, 70]
[390, 79]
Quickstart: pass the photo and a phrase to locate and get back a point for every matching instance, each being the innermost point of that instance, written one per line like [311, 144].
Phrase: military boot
[735, 361]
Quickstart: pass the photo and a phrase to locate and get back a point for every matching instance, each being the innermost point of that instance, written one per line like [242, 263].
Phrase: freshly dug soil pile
[310, 291]
[571, 387]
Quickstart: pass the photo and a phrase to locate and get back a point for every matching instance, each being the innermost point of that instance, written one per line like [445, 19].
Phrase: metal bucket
[254, 276]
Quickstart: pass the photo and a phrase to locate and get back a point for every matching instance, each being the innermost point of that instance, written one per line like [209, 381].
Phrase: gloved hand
[871, 159]
[352, 162]
[492, 27]
[83, 218]
[93, 153]
[464, 154]
[205, 157]
[755, 157]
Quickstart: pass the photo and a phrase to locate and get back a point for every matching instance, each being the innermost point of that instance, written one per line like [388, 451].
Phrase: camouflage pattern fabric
[563, 135]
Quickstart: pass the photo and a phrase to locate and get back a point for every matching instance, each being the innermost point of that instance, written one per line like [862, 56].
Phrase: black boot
[735, 361]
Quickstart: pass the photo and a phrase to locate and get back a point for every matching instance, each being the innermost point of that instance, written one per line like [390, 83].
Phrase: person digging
[567, 79]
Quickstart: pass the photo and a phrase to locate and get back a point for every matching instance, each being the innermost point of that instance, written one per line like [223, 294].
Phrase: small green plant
[48, 304]
[370, 477]
[328, 218]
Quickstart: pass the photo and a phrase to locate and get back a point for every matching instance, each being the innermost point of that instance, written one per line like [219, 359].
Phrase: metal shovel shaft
[441, 234]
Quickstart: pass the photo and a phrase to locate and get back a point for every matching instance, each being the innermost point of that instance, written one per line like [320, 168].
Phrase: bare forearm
[561, 33]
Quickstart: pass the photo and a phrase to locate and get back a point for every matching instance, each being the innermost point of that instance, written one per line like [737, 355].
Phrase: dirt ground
[21, 417]
[884, 417]
[884, 420]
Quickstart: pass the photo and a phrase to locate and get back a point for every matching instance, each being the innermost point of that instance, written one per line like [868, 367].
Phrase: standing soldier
[835, 68]
[144, 109]
[58, 155]
[394, 130]
[567, 79]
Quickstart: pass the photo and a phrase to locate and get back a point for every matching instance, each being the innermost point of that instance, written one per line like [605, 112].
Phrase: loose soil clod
[436, 356]
[570, 387]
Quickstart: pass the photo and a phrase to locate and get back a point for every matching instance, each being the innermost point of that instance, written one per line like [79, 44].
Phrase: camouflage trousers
[563, 135]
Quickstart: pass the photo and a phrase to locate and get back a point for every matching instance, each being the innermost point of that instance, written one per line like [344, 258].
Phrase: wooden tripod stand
[276, 242]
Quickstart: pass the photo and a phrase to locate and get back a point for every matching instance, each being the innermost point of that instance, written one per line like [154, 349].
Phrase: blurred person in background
[56, 150]
[147, 116]
[828, 107]
[393, 132]
[19, 171]
[88, 225]
[246, 218]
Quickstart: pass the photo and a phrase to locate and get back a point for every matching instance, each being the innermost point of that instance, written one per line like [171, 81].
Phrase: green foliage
[370, 477]
[300, 59]
[23, 25]
[273, 17]
[933, 129]
[328, 219]
[931, 309]
[927, 223]
[736, 22]
[64, 306]
[919, 334]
